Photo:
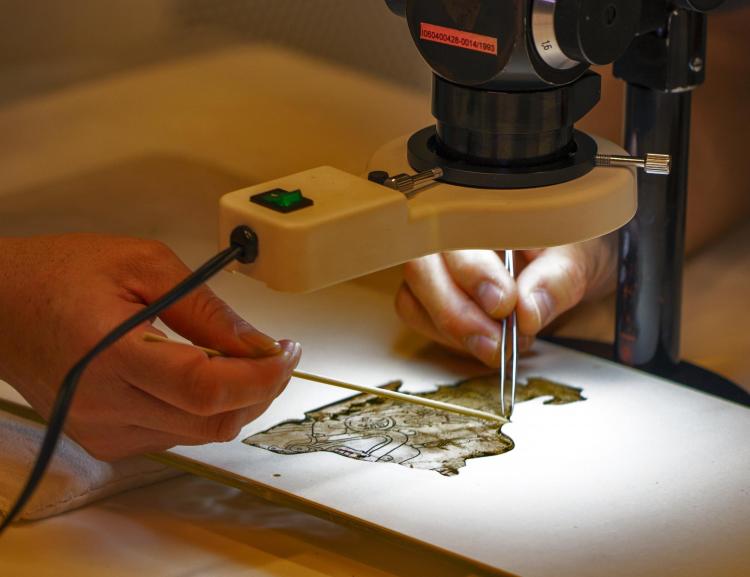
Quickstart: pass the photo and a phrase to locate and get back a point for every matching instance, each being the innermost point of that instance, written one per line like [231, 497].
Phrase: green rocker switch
[282, 200]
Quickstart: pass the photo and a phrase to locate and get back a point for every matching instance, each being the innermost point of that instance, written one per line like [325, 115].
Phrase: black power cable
[243, 248]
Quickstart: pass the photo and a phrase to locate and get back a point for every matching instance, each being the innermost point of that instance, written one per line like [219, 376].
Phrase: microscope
[504, 167]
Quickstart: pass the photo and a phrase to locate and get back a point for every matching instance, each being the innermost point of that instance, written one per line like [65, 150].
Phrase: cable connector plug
[244, 238]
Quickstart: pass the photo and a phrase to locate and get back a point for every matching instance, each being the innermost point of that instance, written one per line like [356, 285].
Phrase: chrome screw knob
[409, 184]
[651, 164]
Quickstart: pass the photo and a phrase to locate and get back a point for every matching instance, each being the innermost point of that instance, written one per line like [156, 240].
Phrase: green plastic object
[282, 200]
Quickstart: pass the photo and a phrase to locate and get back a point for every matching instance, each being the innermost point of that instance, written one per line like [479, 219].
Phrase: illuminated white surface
[645, 477]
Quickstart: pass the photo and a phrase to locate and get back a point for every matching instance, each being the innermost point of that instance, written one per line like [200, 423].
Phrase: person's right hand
[60, 294]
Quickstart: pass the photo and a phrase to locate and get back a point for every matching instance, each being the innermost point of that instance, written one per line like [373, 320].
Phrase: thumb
[206, 320]
[202, 317]
[551, 284]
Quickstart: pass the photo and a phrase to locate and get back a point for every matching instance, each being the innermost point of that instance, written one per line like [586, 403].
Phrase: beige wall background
[45, 44]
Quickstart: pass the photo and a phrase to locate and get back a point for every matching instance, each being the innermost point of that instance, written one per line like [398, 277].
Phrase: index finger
[187, 378]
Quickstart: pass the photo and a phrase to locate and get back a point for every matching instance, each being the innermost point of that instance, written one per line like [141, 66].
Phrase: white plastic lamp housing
[355, 227]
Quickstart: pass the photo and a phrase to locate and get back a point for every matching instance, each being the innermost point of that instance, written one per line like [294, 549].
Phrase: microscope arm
[661, 70]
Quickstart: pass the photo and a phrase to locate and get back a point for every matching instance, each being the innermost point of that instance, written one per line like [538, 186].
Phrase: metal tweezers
[506, 409]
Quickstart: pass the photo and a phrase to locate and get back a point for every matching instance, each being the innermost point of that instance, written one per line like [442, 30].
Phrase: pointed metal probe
[506, 409]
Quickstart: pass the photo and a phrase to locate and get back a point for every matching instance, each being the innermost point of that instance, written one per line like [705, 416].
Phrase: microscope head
[511, 79]
[520, 45]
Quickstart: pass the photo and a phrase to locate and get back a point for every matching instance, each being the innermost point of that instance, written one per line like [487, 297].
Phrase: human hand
[458, 298]
[59, 295]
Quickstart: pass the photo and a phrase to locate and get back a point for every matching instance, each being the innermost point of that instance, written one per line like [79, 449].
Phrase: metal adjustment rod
[410, 184]
[652, 164]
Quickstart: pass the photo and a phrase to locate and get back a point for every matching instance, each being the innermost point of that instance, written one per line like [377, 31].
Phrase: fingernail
[258, 340]
[290, 356]
[297, 355]
[490, 297]
[291, 352]
[484, 348]
[545, 308]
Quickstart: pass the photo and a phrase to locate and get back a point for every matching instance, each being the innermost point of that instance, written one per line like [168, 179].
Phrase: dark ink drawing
[378, 430]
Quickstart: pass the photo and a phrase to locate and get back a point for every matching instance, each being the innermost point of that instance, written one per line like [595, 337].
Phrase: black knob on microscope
[596, 31]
